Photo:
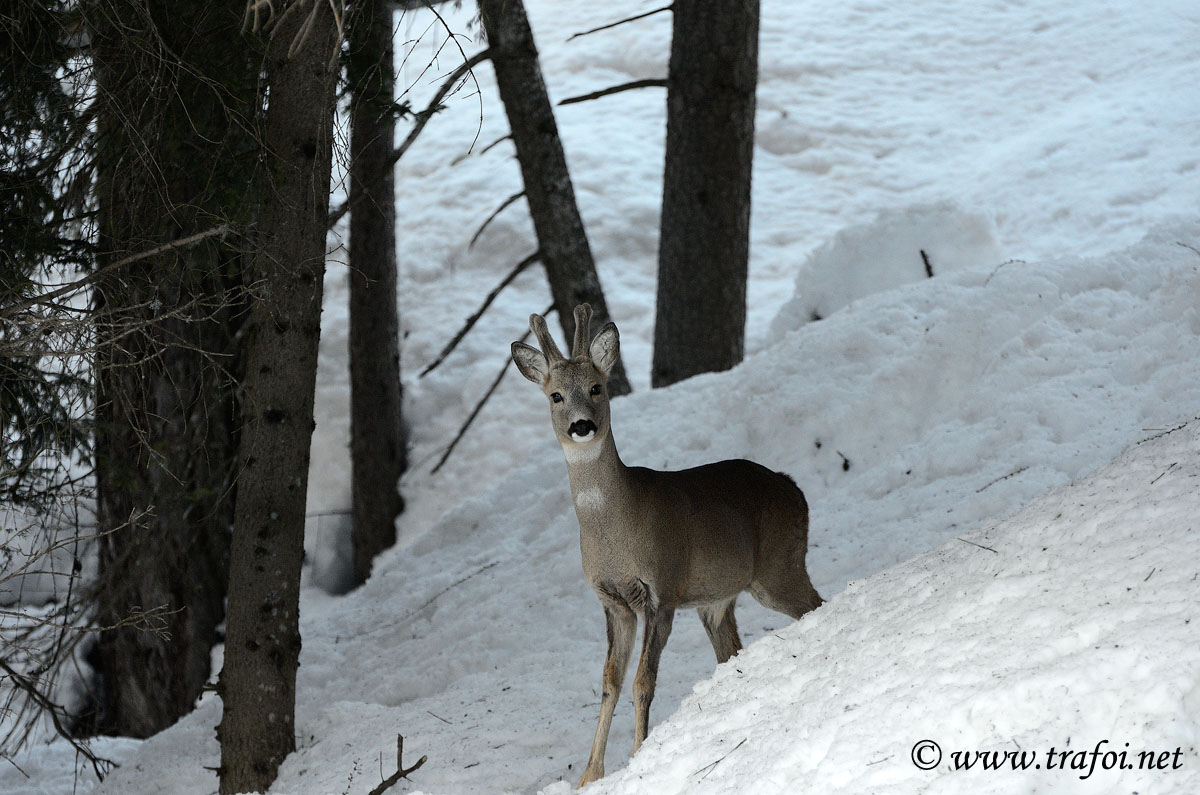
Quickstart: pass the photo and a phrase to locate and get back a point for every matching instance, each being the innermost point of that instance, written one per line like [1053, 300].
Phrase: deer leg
[658, 620]
[721, 626]
[620, 623]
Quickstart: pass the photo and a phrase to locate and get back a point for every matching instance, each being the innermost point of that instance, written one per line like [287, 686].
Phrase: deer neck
[597, 475]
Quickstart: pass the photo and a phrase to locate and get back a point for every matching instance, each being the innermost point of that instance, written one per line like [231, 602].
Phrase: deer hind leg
[658, 622]
[721, 626]
[621, 625]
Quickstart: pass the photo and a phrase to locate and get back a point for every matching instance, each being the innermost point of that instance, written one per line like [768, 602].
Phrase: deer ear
[606, 347]
[531, 362]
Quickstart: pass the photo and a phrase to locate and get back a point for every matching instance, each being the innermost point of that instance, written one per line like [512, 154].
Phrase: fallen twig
[981, 546]
[1165, 471]
[713, 765]
[1014, 473]
[400, 773]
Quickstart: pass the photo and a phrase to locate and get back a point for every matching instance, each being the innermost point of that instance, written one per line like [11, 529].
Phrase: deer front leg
[658, 620]
[620, 624]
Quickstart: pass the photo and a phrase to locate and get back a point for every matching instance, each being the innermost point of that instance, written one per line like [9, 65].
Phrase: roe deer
[654, 541]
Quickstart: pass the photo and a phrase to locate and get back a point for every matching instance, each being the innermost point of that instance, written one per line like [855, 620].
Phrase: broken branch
[648, 83]
[492, 217]
[479, 406]
[400, 773]
[633, 18]
[473, 319]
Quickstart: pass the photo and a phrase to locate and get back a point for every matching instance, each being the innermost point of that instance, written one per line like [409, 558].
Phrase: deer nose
[582, 430]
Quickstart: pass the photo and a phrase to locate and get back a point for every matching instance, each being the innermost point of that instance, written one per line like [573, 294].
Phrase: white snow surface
[1003, 488]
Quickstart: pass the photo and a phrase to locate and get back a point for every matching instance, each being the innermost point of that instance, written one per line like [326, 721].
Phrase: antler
[583, 332]
[537, 324]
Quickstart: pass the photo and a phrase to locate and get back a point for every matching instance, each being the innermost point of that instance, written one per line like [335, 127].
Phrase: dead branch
[479, 406]
[623, 21]
[928, 266]
[400, 773]
[78, 284]
[28, 686]
[981, 546]
[710, 767]
[508, 137]
[1014, 473]
[473, 319]
[422, 118]
[648, 83]
[492, 217]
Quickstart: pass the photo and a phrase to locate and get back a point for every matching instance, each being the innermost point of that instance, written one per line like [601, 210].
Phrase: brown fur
[655, 541]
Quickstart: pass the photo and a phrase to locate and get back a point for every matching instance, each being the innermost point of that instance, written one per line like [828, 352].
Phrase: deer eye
[556, 397]
[596, 389]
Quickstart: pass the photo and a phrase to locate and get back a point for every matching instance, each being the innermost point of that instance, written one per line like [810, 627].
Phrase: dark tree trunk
[172, 158]
[377, 438]
[548, 190]
[700, 324]
[262, 648]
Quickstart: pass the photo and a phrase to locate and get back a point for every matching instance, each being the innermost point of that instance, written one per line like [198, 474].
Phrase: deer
[651, 541]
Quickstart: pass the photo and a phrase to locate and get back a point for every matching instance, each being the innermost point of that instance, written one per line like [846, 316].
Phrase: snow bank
[938, 406]
[1063, 643]
[900, 246]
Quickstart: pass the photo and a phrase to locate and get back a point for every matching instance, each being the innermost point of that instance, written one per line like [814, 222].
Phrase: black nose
[581, 427]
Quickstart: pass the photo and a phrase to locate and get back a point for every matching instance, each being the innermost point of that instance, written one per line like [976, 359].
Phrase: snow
[1002, 524]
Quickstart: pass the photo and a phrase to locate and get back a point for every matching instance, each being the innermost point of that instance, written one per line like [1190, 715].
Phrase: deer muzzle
[582, 430]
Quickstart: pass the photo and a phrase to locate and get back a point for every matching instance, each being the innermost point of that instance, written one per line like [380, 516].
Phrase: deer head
[577, 387]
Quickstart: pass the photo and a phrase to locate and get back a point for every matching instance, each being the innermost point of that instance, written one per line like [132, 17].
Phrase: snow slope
[1042, 155]
[1068, 629]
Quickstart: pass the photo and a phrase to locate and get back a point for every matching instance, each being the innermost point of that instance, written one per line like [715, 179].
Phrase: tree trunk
[704, 246]
[548, 190]
[377, 438]
[262, 648]
[172, 160]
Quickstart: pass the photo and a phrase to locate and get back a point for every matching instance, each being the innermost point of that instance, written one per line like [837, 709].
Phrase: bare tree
[377, 437]
[705, 239]
[258, 681]
[174, 147]
[562, 240]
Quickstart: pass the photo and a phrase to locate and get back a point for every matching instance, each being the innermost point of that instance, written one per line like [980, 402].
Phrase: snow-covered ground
[1044, 157]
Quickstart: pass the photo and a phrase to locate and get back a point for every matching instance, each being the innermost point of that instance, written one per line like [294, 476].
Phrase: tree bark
[377, 437]
[258, 682]
[548, 190]
[172, 158]
[704, 246]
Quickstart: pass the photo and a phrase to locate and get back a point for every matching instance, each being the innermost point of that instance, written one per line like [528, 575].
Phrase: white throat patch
[589, 499]
[578, 454]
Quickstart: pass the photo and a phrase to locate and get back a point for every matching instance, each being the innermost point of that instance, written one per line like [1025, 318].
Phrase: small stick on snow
[928, 267]
[981, 546]
[1165, 471]
[400, 773]
[1151, 574]
[1014, 473]
[713, 765]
